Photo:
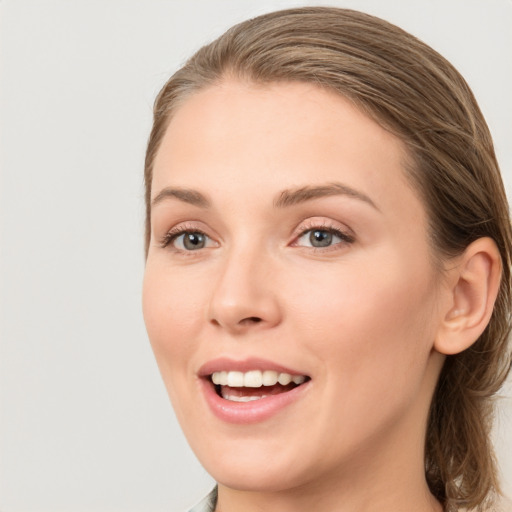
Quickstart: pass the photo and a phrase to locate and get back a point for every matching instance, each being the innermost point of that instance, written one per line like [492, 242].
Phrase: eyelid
[178, 230]
[309, 224]
[343, 232]
[323, 224]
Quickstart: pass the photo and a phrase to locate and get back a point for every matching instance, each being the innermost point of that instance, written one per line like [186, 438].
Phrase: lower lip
[254, 411]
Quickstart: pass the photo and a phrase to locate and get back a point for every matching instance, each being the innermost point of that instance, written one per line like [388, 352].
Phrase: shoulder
[501, 505]
[504, 505]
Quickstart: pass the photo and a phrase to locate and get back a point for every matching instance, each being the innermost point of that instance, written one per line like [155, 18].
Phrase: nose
[245, 297]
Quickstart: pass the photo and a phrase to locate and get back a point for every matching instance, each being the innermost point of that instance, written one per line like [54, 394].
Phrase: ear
[473, 284]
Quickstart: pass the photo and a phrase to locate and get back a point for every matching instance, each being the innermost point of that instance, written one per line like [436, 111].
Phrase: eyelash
[176, 232]
[346, 238]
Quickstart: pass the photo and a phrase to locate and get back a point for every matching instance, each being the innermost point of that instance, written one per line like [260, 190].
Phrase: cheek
[372, 322]
[172, 313]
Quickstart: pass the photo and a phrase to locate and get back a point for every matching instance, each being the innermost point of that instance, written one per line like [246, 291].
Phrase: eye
[187, 240]
[191, 241]
[320, 238]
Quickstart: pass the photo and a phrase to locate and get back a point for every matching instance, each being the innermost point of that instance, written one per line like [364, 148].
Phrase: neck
[363, 490]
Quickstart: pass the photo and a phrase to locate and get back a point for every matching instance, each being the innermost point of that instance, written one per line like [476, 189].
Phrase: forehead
[268, 137]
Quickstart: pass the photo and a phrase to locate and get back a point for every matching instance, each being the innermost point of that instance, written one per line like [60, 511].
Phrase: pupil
[193, 241]
[320, 238]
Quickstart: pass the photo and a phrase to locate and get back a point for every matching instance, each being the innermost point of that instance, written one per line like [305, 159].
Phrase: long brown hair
[411, 90]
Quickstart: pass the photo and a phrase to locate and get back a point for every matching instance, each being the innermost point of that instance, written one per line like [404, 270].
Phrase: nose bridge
[244, 294]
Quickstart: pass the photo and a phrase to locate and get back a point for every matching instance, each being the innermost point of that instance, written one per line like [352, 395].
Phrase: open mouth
[253, 385]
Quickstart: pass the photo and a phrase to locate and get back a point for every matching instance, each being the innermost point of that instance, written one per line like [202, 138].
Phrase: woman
[327, 286]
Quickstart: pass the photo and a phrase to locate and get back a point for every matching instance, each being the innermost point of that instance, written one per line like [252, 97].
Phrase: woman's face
[287, 243]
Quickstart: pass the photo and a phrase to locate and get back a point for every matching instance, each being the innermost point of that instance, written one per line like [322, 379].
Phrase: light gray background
[85, 424]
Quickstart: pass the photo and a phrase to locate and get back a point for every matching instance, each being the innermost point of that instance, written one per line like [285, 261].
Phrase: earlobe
[473, 287]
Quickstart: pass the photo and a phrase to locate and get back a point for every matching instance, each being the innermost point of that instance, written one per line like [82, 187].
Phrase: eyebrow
[285, 198]
[186, 195]
[307, 193]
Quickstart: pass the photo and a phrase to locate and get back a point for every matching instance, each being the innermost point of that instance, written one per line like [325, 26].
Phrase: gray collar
[208, 503]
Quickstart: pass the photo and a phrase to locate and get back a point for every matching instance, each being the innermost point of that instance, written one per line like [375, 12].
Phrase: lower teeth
[250, 394]
[234, 398]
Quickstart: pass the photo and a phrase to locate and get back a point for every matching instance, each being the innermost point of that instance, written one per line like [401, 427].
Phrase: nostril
[250, 320]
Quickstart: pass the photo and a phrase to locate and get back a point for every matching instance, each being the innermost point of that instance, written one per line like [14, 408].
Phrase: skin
[361, 317]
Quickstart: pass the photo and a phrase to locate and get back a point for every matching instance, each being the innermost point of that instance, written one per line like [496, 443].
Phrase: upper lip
[243, 365]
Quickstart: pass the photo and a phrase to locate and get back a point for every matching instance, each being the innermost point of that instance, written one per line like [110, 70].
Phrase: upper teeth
[255, 378]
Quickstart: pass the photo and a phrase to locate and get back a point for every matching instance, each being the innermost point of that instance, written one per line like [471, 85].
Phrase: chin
[246, 466]
[266, 478]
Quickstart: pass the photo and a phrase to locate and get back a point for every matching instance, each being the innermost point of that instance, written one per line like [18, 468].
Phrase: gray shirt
[207, 504]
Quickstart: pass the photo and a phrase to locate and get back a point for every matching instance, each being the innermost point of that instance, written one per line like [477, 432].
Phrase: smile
[250, 394]
[254, 385]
